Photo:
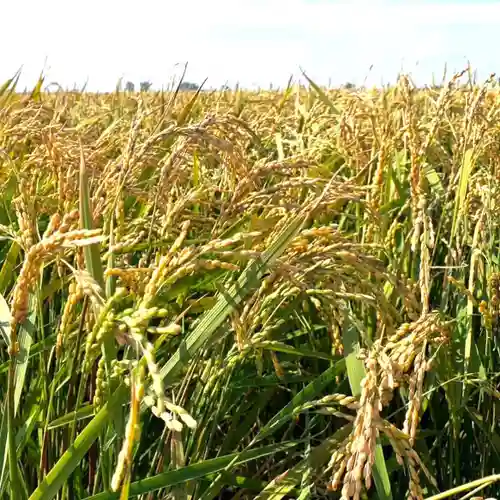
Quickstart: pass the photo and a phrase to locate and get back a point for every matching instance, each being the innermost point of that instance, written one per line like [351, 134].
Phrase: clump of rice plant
[288, 294]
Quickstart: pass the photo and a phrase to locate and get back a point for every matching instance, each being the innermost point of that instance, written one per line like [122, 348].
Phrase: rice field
[250, 295]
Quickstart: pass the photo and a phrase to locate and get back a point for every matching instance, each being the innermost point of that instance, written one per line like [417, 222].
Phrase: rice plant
[288, 294]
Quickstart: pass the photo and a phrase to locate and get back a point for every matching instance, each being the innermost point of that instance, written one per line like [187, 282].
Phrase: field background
[264, 295]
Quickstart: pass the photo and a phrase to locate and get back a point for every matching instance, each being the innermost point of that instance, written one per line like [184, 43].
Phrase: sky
[251, 42]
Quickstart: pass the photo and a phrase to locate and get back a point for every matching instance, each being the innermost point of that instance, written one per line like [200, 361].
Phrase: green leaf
[307, 394]
[9, 86]
[59, 474]
[197, 470]
[91, 252]
[433, 179]
[296, 351]
[184, 114]
[7, 273]
[324, 98]
[17, 379]
[478, 483]
[5, 320]
[25, 338]
[243, 482]
[3, 444]
[285, 483]
[36, 94]
[82, 413]
[46, 344]
[463, 183]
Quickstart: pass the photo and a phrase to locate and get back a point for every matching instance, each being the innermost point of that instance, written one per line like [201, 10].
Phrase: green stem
[14, 483]
[486, 481]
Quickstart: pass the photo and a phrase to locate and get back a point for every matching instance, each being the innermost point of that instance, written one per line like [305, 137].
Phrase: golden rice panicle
[30, 273]
[415, 396]
[136, 324]
[240, 331]
[336, 336]
[75, 295]
[338, 463]
[386, 365]
[364, 435]
[426, 244]
[412, 338]
[134, 279]
[90, 288]
[405, 454]
[158, 275]
[69, 221]
[377, 191]
[132, 432]
[100, 384]
[53, 225]
[24, 206]
[27, 230]
[389, 377]
[105, 324]
[494, 289]
[410, 125]
[120, 219]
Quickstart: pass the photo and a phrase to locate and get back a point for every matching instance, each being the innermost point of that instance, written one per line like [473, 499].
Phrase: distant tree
[129, 87]
[145, 86]
[349, 86]
[188, 86]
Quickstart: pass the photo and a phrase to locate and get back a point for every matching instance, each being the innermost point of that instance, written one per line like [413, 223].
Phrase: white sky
[254, 42]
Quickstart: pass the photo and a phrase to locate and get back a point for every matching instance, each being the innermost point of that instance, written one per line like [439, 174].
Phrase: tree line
[146, 85]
